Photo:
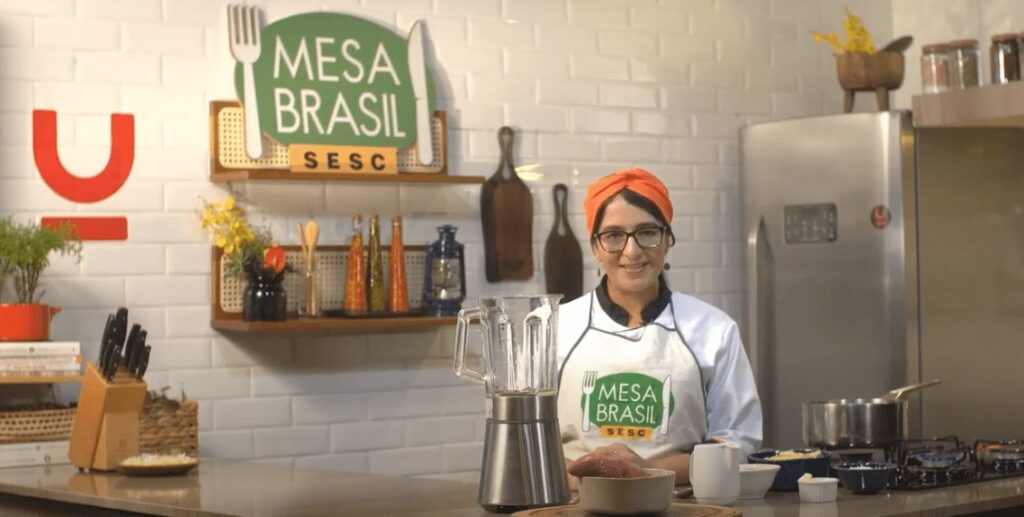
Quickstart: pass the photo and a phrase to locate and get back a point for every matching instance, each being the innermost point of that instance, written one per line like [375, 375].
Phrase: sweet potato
[605, 466]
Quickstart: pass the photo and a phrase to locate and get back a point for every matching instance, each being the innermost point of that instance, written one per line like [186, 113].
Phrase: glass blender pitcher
[523, 464]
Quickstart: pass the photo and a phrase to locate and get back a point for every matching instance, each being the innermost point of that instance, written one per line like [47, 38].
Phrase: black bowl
[865, 477]
[791, 470]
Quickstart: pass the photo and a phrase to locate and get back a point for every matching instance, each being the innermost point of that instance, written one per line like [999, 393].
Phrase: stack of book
[40, 358]
[24, 454]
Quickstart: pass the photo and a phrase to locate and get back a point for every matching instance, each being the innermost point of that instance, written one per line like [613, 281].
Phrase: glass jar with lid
[1005, 58]
[964, 64]
[935, 68]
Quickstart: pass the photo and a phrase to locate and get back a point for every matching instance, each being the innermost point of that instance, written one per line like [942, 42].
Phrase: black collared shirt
[621, 316]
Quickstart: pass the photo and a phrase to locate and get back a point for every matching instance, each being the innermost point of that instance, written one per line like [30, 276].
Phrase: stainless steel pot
[859, 423]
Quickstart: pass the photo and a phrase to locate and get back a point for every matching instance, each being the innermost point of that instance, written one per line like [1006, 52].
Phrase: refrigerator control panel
[808, 224]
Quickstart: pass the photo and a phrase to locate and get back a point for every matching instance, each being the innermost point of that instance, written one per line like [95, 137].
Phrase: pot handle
[54, 311]
[898, 393]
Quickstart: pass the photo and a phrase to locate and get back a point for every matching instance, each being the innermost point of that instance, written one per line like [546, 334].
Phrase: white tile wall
[590, 86]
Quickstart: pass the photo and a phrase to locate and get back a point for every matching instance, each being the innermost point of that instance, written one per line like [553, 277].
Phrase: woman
[647, 373]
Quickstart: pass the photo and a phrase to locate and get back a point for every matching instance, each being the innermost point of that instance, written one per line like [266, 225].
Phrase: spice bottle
[1005, 60]
[355, 279]
[965, 64]
[398, 291]
[934, 68]
[375, 280]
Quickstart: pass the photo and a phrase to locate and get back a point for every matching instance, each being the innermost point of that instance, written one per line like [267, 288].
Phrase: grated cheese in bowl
[158, 460]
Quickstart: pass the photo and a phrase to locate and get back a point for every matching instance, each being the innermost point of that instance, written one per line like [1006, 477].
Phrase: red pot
[26, 321]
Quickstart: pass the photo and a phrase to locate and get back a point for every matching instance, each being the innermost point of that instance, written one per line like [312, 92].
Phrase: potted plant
[24, 254]
[860, 67]
[250, 253]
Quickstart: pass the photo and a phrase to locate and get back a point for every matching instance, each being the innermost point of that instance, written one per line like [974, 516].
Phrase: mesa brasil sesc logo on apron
[629, 406]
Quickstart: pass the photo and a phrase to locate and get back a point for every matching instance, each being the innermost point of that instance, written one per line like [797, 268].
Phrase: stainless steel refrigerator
[878, 255]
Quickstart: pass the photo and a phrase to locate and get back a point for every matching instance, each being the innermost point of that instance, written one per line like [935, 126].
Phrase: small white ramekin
[818, 490]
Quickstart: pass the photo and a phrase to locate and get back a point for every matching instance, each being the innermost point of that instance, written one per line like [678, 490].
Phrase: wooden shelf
[279, 175]
[327, 325]
[38, 379]
[990, 105]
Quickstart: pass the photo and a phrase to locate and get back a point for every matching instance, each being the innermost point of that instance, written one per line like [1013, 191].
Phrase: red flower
[274, 259]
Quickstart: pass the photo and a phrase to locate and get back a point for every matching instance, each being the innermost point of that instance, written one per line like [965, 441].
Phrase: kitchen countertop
[228, 488]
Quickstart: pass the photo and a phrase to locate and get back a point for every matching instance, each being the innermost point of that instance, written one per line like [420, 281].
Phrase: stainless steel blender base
[523, 467]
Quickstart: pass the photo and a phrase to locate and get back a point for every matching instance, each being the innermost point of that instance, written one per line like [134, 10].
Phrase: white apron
[641, 387]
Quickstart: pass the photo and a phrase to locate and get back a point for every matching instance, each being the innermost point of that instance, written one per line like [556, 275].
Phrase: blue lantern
[444, 285]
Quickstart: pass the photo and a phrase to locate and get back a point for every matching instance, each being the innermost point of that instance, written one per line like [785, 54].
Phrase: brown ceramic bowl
[619, 496]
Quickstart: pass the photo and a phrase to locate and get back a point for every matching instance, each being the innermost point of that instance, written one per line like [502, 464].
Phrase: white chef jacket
[733, 410]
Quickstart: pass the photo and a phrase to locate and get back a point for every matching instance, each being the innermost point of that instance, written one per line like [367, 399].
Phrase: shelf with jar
[332, 281]
[951, 84]
[229, 161]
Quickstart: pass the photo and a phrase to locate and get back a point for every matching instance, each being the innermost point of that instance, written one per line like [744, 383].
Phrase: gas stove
[946, 461]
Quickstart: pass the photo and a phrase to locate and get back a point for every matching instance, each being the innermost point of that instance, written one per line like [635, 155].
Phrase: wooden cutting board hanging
[563, 258]
[506, 208]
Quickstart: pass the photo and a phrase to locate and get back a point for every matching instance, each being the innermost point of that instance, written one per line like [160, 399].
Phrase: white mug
[715, 473]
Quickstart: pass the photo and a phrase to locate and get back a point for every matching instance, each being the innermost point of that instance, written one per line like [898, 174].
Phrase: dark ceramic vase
[264, 297]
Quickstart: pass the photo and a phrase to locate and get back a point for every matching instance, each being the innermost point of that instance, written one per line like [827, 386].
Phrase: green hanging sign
[340, 80]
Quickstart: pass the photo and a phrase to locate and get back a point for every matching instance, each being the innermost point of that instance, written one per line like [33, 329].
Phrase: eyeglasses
[615, 240]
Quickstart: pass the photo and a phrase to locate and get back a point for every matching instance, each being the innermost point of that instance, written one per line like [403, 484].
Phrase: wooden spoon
[310, 235]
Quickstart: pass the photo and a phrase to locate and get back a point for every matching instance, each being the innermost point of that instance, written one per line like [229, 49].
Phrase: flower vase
[264, 297]
[878, 72]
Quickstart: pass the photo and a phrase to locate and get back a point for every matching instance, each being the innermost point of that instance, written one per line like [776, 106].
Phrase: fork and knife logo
[244, 35]
[590, 384]
[244, 26]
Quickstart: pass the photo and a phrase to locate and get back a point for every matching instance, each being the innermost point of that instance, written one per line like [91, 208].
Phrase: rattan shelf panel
[330, 325]
[38, 379]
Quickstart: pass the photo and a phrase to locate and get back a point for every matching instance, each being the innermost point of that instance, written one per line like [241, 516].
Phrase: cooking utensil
[105, 341]
[418, 77]
[899, 44]
[310, 235]
[131, 347]
[898, 393]
[506, 210]
[143, 362]
[859, 423]
[244, 37]
[563, 258]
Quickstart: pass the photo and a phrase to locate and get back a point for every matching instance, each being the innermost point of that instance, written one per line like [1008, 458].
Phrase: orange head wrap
[636, 180]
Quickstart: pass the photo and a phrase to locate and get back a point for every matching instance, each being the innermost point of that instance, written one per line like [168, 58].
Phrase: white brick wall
[590, 85]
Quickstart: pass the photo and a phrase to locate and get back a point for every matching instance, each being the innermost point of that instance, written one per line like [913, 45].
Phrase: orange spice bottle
[398, 291]
[355, 279]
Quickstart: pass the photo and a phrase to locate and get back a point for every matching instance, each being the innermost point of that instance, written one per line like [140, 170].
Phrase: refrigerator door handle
[760, 282]
[753, 297]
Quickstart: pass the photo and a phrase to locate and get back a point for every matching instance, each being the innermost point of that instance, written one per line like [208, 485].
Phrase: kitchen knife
[136, 359]
[666, 399]
[108, 328]
[418, 76]
[144, 363]
[131, 346]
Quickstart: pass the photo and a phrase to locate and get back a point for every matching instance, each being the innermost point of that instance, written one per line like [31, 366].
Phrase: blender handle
[461, 330]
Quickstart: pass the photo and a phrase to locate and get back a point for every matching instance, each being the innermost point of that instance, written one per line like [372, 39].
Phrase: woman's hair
[638, 201]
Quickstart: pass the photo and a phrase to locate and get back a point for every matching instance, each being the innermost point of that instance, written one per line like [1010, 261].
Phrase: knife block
[106, 428]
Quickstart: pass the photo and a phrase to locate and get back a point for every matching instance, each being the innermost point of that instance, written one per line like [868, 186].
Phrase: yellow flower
[858, 39]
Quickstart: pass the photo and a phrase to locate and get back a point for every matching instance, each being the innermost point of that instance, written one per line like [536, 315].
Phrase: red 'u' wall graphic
[86, 190]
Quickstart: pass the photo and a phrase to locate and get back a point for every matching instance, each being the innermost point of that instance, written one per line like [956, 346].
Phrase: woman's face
[634, 269]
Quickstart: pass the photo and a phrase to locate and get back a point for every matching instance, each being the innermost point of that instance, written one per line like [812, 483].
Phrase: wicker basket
[169, 426]
[36, 425]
